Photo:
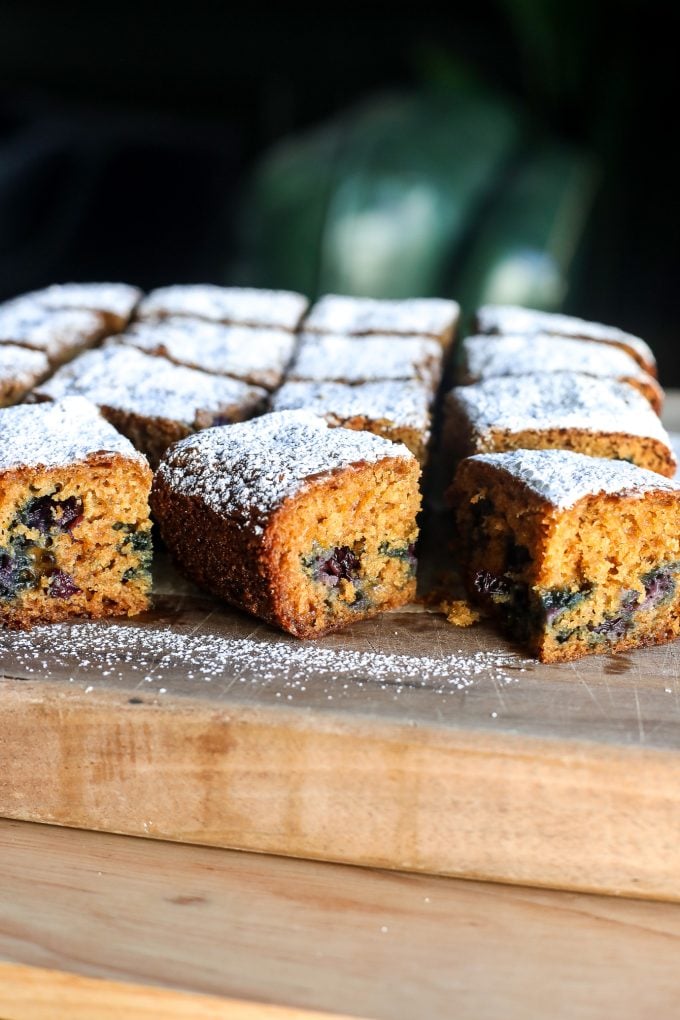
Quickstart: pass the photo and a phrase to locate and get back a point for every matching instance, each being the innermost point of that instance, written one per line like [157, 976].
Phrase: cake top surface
[362, 359]
[245, 306]
[15, 361]
[338, 313]
[487, 356]
[567, 400]
[45, 329]
[125, 378]
[562, 478]
[115, 298]
[404, 402]
[213, 346]
[250, 469]
[515, 319]
[57, 435]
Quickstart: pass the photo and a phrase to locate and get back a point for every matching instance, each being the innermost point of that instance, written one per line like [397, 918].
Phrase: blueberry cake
[238, 306]
[398, 410]
[308, 527]
[360, 316]
[351, 360]
[598, 417]
[75, 536]
[488, 357]
[257, 356]
[20, 370]
[59, 335]
[574, 555]
[150, 400]
[114, 303]
[527, 321]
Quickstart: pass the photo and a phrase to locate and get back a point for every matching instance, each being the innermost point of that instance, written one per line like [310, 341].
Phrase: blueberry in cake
[75, 533]
[308, 527]
[573, 554]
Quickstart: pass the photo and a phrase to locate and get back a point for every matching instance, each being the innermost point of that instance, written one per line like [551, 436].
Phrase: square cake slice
[568, 411]
[574, 555]
[360, 316]
[60, 335]
[75, 532]
[352, 360]
[529, 321]
[20, 370]
[150, 400]
[237, 306]
[398, 410]
[257, 356]
[488, 357]
[113, 302]
[308, 527]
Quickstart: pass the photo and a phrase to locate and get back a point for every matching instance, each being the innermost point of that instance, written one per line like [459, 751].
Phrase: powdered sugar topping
[248, 470]
[366, 359]
[246, 306]
[565, 400]
[22, 363]
[57, 333]
[336, 313]
[487, 356]
[57, 435]
[125, 378]
[401, 402]
[514, 319]
[563, 478]
[117, 299]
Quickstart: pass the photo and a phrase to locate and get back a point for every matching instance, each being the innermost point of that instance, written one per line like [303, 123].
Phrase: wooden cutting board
[402, 743]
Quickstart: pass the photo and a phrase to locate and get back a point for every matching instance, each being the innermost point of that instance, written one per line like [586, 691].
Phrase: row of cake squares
[567, 529]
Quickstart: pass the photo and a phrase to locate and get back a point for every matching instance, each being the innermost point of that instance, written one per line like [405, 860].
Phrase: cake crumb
[460, 613]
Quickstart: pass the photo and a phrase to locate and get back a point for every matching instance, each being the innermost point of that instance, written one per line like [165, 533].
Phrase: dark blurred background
[511, 150]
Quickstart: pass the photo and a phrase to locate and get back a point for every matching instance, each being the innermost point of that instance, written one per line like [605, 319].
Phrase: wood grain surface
[305, 935]
[402, 743]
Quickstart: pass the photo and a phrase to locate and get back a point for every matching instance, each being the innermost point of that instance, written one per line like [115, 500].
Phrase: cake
[59, 335]
[512, 319]
[20, 370]
[75, 533]
[306, 526]
[361, 316]
[487, 357]
[398, 410]
[114, 303]
[352, 360]
[566, 410]
[257, 356]
[238, 306]
[150, 400]
[573, 554]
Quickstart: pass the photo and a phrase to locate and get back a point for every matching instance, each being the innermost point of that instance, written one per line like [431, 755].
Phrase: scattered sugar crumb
[460, 613]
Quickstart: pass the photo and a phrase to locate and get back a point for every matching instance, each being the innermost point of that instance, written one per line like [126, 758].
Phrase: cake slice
[568, 411]
[574, 555]
[257, 356]
[20, 370]
[514, 319]
[150, 400]
[75, 533]
[308, 527]
[59, 335]
[487, 357]
[238, 306]
[398, 410]
[113, 302]
[369, 359]
[360, 316]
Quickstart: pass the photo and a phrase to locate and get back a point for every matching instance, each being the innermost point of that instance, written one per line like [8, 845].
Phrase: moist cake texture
[599, 417]
[75, 532]
[308, 527]
[574, 555]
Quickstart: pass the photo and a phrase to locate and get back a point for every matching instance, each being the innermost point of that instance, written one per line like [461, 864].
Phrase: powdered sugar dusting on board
[366, 359]
[157, 655]
[57, 435]
[258, 356]
[404, 402]
[565, 400]
[337, 313]
[249, 469]
[514, 319]
[246, 306]
[563, 478]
